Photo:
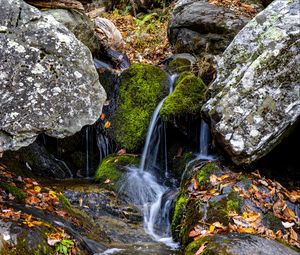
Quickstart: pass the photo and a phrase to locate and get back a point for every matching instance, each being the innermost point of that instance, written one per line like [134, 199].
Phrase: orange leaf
[102, 116]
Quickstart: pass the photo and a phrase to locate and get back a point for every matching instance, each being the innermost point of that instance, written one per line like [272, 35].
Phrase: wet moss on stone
[179, 65]
[15, 191]
[112, 168]
[187, 97]
[142, 87]
[178, 213]
[205, 172]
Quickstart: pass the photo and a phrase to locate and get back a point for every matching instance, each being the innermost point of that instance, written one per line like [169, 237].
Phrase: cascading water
[103, 146]
[204, 142]
[88, 142]
[142, 184]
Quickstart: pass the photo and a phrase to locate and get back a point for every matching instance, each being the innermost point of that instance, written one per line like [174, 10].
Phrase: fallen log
[56, 4]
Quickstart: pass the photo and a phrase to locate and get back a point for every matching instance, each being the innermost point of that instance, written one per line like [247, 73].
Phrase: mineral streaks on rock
[255, 98]
[48, 80]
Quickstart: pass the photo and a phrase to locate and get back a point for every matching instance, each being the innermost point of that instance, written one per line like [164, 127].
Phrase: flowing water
[145, 185]
[88, 142]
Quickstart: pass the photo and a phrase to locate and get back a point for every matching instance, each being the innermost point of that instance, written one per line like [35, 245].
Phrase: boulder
[198, 27]
[255, 98]
[80, 25]
[48, 81]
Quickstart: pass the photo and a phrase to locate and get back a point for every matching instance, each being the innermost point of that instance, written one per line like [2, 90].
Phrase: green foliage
[142, 87]
[15, 191]
[187, 98]
[64, 246]
[112, 168]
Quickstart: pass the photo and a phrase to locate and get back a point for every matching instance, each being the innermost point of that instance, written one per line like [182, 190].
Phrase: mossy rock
[112, 168]
[186, 99]
[177, 215]
[179, 65]
[142, 87]
[13, 190]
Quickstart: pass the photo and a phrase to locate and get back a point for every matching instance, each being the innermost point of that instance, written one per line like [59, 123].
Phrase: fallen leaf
[107, 124]
[102, 116]
[201, 249]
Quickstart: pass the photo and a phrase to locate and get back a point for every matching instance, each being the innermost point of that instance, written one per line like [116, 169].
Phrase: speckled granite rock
[48, 81]
[255, 99]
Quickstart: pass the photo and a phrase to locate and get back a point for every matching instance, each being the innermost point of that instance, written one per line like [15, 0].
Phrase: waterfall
[204, 143]
[88, 145]
[142, 184]
[103, 146]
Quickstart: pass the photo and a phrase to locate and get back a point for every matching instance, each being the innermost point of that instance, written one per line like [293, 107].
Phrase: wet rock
[239, 244]
[49, 83]
[255, 98]
[199, 27]
[214, 199]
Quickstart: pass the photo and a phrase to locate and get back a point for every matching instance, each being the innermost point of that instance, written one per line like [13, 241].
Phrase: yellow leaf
[212, 228]
[52, 193]
[107, 124]
[37, 189]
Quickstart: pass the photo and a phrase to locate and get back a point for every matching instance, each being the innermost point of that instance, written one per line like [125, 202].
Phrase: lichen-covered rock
[255, 98]
[141, 89]
[199, 27]
[48, 81]
[80, 25]
[187, 97]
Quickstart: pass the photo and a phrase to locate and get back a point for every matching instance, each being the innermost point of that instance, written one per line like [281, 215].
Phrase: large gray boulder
[198, 27]
[255, 99]
[48, 81]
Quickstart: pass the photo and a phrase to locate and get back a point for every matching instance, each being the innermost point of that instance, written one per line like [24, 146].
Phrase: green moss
[112, 168]
[15, 191]
[177, 216]
[179, 65]
[232, 206]
[218, 210]
[65, 202]
[213, 247]
[191, 219]
[205, 172]
[187, 98]
[142, 87]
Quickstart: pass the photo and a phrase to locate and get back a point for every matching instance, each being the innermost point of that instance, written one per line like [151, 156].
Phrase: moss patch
[187, 98]
[142, 87]
[112, 168]
[205, 172]
[15, 191]
[179, 211]
[179, 65]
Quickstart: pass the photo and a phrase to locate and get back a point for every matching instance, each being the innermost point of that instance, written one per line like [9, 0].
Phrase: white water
[143, 186]
[103, 146]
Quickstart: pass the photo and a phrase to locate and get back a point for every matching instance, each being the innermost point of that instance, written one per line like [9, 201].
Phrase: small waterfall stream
[143, 185]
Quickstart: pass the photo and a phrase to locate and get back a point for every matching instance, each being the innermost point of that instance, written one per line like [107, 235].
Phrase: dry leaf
[201, 249]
